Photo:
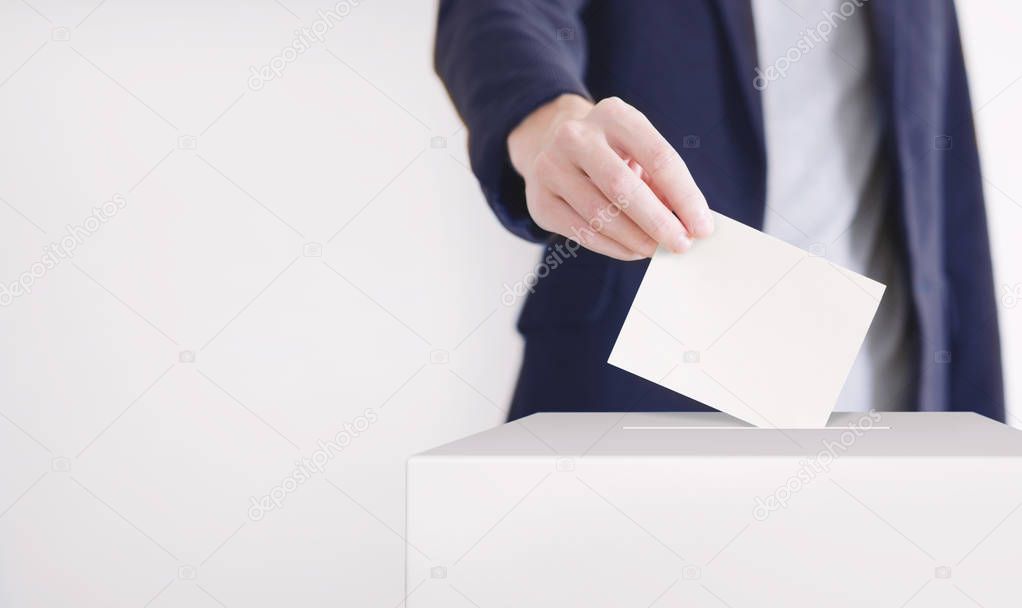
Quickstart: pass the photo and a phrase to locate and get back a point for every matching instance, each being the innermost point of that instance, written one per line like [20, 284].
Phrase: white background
[195, 346]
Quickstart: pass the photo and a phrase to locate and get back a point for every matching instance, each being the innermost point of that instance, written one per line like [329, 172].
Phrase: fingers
[634, 136]
[610, 181]
[602, 216]
[620, 184]
[559, 217]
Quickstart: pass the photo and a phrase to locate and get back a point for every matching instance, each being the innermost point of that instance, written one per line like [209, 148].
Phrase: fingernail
[680, 244]
[704, 224]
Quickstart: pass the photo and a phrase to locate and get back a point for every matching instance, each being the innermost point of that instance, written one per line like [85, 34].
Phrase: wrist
[528, 138]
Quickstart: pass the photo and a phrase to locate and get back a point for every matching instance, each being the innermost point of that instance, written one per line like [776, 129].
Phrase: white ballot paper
[750, 325]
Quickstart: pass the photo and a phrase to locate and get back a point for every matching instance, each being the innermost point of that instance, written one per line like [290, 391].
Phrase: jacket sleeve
[976, 375]
[501, 59]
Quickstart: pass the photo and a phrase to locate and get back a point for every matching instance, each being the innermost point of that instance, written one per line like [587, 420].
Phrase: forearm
[500, 61]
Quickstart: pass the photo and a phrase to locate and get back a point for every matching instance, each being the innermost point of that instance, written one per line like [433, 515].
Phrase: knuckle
[569, 134]
[661, 155]
[643, 246]
[598, 216]
[689, 200]
[699, 199]
[544, 167]
[619, 186]
[613, 105]
[585, 208]
[693, 202]
[661, 226]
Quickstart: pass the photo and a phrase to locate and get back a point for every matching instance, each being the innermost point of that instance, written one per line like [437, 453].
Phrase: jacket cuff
[503, 188]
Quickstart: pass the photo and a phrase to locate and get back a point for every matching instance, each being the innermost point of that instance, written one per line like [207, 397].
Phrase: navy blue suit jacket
[689, 65]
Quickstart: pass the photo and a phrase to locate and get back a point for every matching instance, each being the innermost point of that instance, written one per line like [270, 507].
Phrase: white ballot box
[669, 510]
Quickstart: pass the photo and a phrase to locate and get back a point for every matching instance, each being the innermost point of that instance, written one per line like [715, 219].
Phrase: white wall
[128, 468]
[207, 256]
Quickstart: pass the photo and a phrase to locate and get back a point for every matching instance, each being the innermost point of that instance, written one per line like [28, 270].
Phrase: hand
[603, 176]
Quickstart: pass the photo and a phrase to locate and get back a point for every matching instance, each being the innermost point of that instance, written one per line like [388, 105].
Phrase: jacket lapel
[736, 17]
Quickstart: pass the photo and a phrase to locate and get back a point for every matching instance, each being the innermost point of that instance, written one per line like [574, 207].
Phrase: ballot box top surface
[596, 434]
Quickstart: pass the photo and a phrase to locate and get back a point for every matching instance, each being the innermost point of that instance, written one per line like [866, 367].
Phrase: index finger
[632, 133]
[626, 190]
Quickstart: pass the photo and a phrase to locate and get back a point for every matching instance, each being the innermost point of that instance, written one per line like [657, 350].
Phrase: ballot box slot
[753, 428]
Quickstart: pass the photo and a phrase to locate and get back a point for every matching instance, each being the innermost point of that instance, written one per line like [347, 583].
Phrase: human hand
[602, 175]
